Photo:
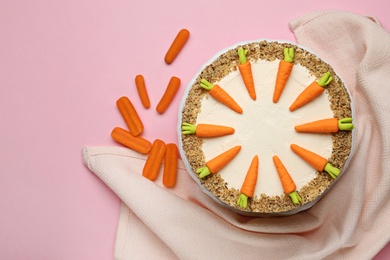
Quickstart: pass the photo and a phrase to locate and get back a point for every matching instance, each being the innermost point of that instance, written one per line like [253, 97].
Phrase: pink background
[63, 64]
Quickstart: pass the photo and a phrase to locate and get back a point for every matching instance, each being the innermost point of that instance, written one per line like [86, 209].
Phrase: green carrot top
[242, 55]
[206, 85]
[333, 171]
[203, 172]
[325, 79]
[242, 201]
[295, 197]
[188, 129]
[345, 124]
[289, 54]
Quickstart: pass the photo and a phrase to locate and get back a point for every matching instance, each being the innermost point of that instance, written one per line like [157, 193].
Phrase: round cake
[265, 128]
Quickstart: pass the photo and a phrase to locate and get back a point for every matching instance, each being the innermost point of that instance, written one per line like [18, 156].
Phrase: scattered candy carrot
[170, 92]
[246, 72]
[249, 185]
[153, 162]
[284, 71]
[170, 165]
[218, 162]
[135, 143]
[206, 130]
[311, 92]
[130, 115]
[177, 45]
[327, 125]
[221, 95]
[142, 92]
[288, 183]
[318, 162]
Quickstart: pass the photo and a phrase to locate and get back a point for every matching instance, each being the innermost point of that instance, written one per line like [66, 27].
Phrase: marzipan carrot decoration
[249, 185]
[218, 162]
[177, 45]
[206, 130]
[135, 143]
[221, 95]
[170, 166]
[142, 92]
[130, 115]
[311, 92]
[318, 162]
[170, 92]
[284, 71]
[246, 73]
[327, 125]
[288, 183]
[153, 162]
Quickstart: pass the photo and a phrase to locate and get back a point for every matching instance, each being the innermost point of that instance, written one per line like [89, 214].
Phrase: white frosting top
[266, 128]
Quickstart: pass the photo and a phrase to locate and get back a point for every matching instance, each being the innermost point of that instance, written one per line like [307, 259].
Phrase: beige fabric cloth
[351, 221]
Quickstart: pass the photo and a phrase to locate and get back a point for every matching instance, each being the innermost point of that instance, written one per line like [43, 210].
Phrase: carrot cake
[266, 128]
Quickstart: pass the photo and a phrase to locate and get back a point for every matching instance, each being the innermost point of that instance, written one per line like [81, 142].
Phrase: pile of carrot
[158, 151]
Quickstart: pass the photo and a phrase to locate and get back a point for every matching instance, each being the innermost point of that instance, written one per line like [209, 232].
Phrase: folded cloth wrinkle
[363, 62]
[351, 221]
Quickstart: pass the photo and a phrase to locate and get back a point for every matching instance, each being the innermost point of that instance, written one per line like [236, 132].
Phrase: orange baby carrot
[221, 95]
[327, 125]
[311, 92]
[206, 130]
[136, 143]
[170, 165]
[142, 92]
[288, 183]
[284, 71]
[221, 160]
[154, 160]
[318, 162]
[130, 115]
[218, 162]
[249, 185]
[170, 92]
[246, 73]
[177, 45]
